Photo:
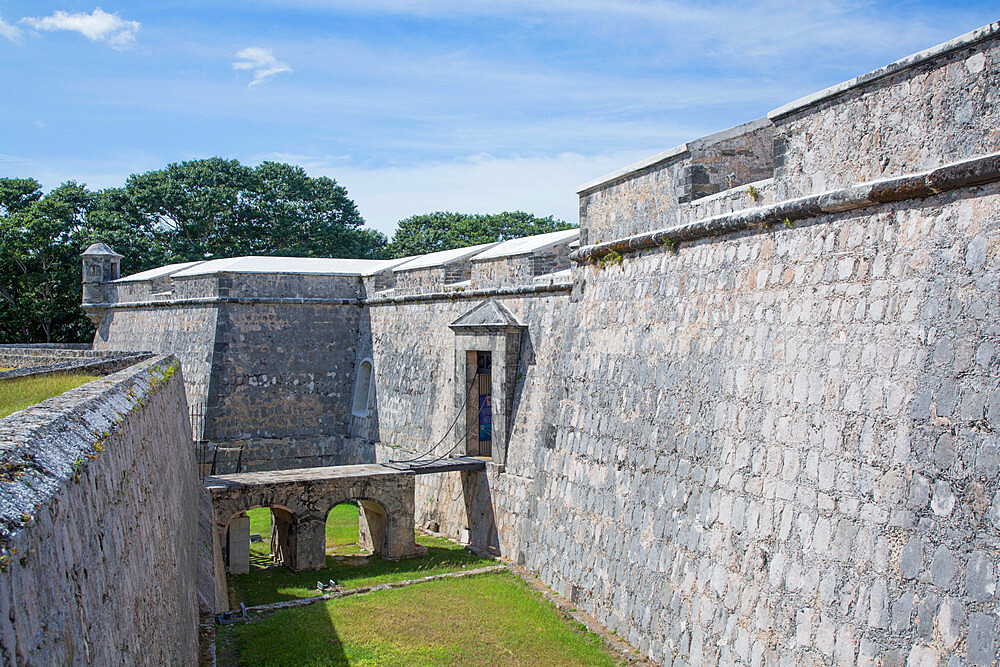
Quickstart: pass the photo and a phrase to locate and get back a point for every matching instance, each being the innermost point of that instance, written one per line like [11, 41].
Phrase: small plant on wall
[613, 258]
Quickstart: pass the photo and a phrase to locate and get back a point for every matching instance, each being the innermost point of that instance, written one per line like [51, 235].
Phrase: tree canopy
[430, 232]
[221, 208]
[40, 239]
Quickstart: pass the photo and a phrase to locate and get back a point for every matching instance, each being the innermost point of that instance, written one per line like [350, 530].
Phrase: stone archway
[304, 498]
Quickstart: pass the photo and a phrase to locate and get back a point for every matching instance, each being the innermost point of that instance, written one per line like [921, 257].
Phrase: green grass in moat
[346, 563]
[490, 619]
[19, 393]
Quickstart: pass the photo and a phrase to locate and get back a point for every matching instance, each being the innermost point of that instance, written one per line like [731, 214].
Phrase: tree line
[196, 210]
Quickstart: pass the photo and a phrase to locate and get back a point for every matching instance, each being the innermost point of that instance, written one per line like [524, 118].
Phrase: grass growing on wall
[346, 564]
[493, 619]
[19, 393]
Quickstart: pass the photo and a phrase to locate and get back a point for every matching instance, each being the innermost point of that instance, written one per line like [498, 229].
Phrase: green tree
[40, 238]
[220, 208]
[420, 234]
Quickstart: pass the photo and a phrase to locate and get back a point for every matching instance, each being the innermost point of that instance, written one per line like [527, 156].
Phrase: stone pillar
[309, 544]
[396, 524]
[372, 526]
[238, 545]
[282, 537]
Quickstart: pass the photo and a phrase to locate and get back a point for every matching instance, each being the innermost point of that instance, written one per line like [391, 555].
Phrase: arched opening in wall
[267, 529]
[362, 389]
[358, 527]
[260, 537]
[343, 535]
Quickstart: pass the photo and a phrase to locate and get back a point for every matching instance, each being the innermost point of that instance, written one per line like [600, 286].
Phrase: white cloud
[98, 26]
[262, 62]
[11, 32]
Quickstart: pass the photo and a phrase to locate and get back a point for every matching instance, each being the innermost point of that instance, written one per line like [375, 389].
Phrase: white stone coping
[676, 151]
[158, 272]
[968, 39]
[558, 277]
[527, 245]
[290, 265]
[442, 257]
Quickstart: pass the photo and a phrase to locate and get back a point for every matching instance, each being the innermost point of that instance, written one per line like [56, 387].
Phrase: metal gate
[484, 391]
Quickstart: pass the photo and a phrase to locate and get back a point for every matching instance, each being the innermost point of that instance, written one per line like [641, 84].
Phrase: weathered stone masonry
[99, 503]
[751, 425]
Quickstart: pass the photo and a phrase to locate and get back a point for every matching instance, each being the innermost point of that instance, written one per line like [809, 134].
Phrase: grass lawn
[493, 619]
[346, 564]
[19, 393]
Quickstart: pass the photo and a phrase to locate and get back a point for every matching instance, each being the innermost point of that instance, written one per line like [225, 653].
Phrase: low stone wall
[28, 355]
[654, 192]
[110, 362]
[98, 524]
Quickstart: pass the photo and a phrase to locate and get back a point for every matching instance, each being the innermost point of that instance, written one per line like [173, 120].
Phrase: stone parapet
[98, 522]
[649, 194]
[963, 174]
[925, 110]
[104, 364]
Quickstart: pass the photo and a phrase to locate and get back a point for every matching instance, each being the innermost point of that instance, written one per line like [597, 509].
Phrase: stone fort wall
[98, 541]
[758, 425]
[269, 362]
[753, 441]
[774, 443]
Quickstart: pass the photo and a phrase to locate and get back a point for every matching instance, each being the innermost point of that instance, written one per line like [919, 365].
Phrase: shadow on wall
[527, 359]
[479, 511]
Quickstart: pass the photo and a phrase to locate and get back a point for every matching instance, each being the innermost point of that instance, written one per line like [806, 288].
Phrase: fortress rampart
[99, 520]
[749, 416]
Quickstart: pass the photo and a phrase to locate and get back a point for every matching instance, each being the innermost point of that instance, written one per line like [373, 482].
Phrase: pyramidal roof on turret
[490, 315]
[99, 250]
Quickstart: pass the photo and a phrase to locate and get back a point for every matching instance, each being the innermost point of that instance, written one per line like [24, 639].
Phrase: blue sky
[420, 106]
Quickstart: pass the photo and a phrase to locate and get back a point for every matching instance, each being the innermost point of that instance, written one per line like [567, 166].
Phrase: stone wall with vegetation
[98, 518]
[783, 442]
[656, 192]
[773, 443]
[763, 437]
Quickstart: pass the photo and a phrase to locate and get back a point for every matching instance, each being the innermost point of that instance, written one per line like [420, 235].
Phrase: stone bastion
[746, 414]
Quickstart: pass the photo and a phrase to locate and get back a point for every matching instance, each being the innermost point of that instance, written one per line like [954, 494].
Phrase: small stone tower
[100, 266]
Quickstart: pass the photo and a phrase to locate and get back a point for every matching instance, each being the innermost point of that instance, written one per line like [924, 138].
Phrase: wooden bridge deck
[428, 466]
